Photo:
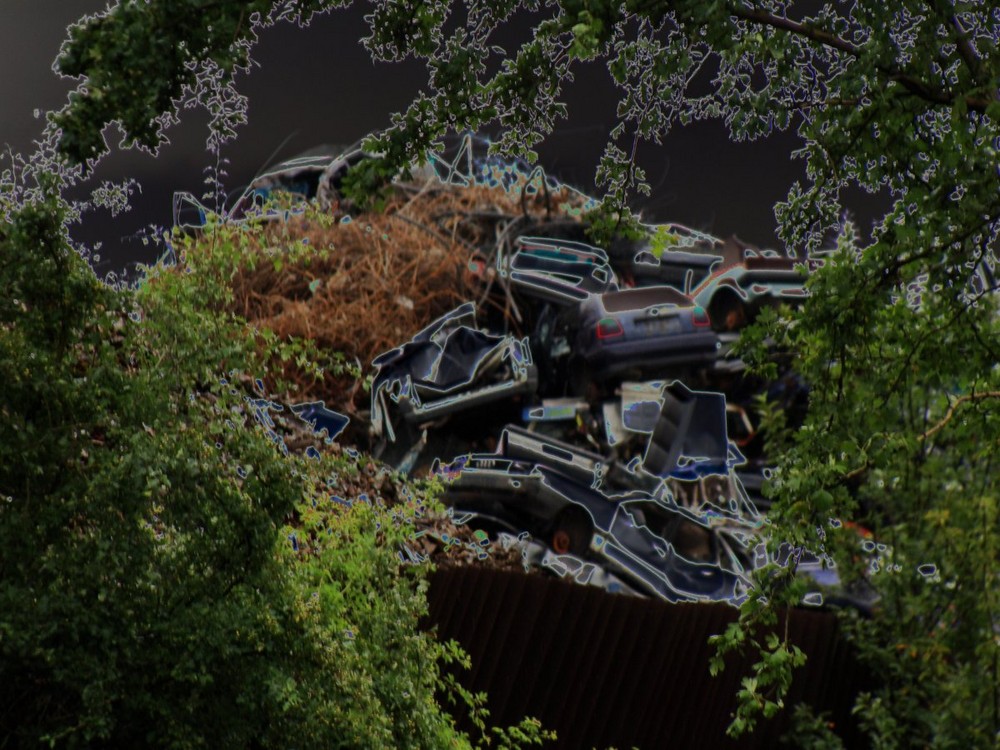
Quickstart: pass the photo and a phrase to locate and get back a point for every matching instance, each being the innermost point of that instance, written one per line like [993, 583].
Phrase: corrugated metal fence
[619, 671]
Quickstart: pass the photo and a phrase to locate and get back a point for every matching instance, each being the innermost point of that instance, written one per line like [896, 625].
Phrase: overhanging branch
[954, 407]
[910, 82]
[786, 24]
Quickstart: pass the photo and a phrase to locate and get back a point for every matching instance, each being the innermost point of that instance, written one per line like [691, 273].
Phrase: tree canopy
[898, 339]
[152, 589]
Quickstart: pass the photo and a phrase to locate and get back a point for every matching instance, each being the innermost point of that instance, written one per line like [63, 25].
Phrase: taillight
[609, 328]
[700, 317]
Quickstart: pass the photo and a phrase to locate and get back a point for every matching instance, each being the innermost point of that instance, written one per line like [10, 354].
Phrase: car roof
[642, 297]
[759, 269]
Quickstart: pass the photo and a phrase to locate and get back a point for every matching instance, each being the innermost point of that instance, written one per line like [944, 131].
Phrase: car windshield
[643, 297]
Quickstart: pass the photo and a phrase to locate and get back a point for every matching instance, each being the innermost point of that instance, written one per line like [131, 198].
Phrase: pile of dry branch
[376, 279]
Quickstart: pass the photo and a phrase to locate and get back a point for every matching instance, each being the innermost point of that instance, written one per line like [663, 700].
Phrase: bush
[153, 591]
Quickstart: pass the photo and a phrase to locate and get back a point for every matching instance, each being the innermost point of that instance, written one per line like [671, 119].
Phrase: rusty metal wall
[619, 671]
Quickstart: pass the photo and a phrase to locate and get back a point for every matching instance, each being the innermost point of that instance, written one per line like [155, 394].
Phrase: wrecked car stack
[583, 396]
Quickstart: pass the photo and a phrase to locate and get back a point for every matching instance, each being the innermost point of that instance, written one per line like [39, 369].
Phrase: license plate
[658, 326]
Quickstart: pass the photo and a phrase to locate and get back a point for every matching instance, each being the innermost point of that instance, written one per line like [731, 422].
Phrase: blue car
[561, 272]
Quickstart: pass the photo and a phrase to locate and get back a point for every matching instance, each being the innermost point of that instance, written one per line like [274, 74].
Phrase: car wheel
[571, 532]
[727, 311]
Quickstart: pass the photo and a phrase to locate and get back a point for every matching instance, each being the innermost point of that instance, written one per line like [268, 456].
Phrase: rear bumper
[687, 349]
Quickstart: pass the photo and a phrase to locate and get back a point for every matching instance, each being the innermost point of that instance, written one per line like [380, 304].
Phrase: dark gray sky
[318, 85]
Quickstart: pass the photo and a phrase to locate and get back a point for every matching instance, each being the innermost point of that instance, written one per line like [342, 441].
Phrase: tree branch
[965, 49]
[786, 24]
[912, 84]
[954, 406]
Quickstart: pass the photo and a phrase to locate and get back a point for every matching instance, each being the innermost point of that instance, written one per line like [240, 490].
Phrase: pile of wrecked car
[587, 405]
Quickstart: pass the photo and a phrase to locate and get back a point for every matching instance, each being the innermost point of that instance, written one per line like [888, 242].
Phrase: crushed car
[550, 501]
[451, 366]
[582, 503]
[734, 294]
[675, 522]
[562, 272]
[315, 174]
[634, 333]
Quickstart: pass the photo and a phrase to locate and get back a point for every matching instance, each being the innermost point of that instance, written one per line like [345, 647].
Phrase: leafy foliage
[150, 593]
[124, 533]
[898, 339]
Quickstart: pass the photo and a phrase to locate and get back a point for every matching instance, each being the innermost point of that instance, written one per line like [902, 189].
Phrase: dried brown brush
[376, 279]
